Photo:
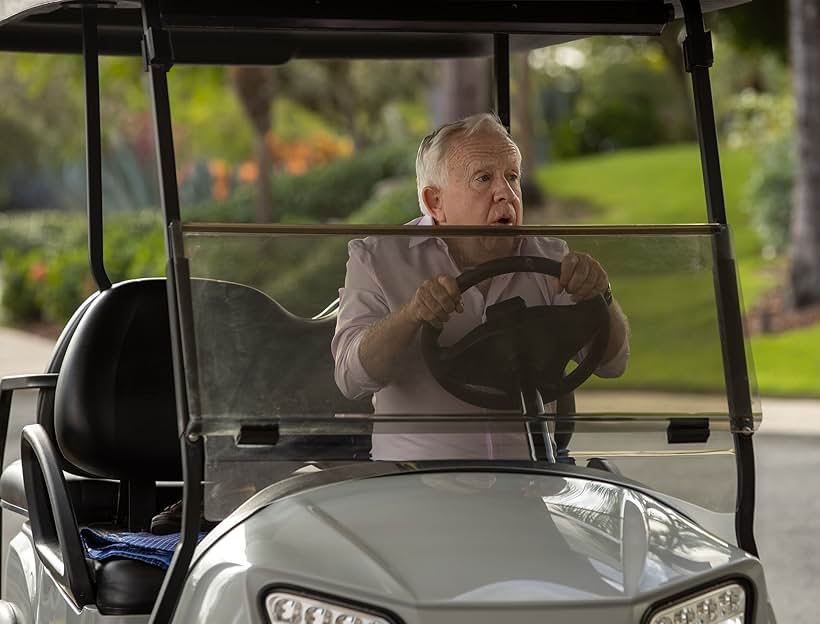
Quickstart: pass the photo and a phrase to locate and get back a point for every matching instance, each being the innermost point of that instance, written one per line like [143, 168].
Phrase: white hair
[431, 160]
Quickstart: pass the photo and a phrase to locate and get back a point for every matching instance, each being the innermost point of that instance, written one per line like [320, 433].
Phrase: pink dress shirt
[383, 273]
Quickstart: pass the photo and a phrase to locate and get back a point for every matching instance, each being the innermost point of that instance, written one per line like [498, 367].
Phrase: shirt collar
[423, 220]
[428, 220]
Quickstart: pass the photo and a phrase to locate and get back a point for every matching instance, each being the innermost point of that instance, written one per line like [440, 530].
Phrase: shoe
[169, 520]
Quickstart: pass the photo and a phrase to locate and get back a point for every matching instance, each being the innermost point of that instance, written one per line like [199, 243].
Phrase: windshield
[279, 314]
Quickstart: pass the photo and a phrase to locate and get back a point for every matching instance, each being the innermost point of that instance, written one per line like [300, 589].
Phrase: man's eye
[514, 177]
[484, 177]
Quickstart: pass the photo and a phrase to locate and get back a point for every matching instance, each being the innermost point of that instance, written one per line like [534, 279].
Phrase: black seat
[114, 419]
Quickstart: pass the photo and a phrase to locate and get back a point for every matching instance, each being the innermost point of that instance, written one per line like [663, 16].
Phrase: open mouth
[503, 221]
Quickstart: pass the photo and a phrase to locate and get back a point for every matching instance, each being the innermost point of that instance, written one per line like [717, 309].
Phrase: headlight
[284, 607]
[725, 605]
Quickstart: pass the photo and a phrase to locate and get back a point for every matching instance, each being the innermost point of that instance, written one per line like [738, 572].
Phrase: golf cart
[215, 385]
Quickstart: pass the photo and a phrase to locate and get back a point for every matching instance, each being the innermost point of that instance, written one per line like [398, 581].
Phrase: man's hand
[383, 346]
[582, 276]
[435, 300]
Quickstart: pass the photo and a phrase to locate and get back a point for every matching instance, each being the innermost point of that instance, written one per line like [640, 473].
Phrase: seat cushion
[94, 500]
[126, 586]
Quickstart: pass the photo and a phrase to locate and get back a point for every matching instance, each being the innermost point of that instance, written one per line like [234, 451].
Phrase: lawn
[664, 185]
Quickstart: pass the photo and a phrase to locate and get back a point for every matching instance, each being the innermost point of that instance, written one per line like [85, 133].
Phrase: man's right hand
[435, 300]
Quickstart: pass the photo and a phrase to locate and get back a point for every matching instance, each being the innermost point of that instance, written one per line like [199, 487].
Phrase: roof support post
[698, 57]
[158, 55]
[501, 77]
[93, 147]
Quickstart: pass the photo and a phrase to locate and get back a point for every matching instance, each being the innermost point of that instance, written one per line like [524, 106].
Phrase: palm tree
[804, 24]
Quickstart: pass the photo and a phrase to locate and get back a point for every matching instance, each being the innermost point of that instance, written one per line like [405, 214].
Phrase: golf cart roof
[253, 32]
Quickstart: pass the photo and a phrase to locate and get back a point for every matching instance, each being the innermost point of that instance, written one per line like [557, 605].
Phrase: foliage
[45, 272]
[320, 272]
[45, 263]
[756, 26]
[770, 193]
[360, 96]
[328, 192]
[598, 96]
[763, 124]
[338, 189]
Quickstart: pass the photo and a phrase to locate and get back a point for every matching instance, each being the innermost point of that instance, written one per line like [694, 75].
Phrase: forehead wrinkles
[485, 148]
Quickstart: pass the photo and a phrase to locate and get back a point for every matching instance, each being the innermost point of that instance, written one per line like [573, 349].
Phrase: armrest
[53, 525]
[7, 387]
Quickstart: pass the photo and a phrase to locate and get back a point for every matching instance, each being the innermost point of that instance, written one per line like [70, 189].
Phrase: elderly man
[468, 173]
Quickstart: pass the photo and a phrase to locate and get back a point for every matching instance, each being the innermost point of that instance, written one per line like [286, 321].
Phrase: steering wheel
[519, 349]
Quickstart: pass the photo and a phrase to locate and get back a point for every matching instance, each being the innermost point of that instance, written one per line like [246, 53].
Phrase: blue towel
[156, 550]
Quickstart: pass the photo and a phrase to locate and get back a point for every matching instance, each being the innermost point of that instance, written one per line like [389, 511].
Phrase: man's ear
[432, 200]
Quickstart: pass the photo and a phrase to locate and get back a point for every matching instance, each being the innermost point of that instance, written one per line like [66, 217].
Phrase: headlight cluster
[287, 608]
[725, 605]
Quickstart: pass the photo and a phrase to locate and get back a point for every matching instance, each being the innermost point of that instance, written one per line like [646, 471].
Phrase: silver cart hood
[470, 540]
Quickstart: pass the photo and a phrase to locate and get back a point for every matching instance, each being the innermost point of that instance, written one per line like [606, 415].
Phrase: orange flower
[218, 168]
[248, 172]
[38, 271]
[220, 189]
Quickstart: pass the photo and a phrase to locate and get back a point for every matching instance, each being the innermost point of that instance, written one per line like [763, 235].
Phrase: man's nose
[502, 191]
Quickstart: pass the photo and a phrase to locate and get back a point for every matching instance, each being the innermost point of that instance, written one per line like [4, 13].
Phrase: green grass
[664, 185]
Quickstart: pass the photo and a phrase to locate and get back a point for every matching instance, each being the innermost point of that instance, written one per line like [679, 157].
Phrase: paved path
[22, 353]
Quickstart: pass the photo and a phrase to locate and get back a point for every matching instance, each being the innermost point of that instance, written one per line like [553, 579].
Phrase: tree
[756, 26]
[763, 26]
[804, 271]
[355, 95]
[256, 89]
[462, 88]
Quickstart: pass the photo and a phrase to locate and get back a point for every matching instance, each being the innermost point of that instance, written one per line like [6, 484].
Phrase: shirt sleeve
[361, 304]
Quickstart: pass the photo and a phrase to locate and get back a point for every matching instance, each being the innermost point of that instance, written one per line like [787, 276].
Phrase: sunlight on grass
[664, 185]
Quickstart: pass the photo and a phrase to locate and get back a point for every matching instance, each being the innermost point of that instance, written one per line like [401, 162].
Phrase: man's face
[483, 185]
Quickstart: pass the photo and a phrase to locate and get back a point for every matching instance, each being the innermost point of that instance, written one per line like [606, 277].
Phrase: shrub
[769, 194]
[337, 190]
[45, 267]
[19, 297]
[325, 193]
[45, 264]
[763, 123]
[322, 271]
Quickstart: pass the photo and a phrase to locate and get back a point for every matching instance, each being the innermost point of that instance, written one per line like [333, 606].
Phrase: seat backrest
[45, 399]
[114, 404]
[115, 411]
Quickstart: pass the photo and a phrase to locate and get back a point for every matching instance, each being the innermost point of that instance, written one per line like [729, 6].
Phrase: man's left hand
[582, 276]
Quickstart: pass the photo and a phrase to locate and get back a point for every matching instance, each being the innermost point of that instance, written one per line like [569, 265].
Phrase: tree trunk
[463, 89]
[672, 49]
[264, 188]
[256, 89]
[523, 113]
[805, 224]
[523, 133]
